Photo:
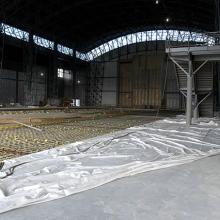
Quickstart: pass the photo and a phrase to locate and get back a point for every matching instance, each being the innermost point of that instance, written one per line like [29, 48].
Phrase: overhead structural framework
[133, 38]
[146, 36]
[105, 20]
[37, 40]
[185, 58]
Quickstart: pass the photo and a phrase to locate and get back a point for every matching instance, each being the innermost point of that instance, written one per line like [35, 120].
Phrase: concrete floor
[190, 191]
[58, 127]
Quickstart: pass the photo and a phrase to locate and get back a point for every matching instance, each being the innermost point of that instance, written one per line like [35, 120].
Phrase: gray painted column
[217, 28]
[16, 87]
[189, 93]
[196, 109]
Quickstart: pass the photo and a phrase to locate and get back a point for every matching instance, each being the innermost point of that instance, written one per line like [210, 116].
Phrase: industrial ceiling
[86, 23]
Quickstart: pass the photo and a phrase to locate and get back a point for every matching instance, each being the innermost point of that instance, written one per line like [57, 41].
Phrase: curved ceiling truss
[146, 36]
[125, 40]
[82, 23]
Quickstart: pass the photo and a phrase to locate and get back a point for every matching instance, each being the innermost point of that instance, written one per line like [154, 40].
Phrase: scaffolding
[95, 84]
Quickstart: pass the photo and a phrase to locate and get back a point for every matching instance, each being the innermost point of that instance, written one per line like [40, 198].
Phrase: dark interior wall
[137, 76]
[102, 83]
[32, 79]
[142, 76]
[81, 83]
[140, 81]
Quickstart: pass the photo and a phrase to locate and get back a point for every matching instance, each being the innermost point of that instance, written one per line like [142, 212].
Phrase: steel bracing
[89, 28]
[185, 58]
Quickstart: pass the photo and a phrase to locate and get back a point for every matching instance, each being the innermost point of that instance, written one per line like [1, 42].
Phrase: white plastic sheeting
[77, 167]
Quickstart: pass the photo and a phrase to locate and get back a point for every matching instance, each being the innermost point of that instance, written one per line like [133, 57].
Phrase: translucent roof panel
[65, 50]
[152, 35]
[15, 32]
[43, 42]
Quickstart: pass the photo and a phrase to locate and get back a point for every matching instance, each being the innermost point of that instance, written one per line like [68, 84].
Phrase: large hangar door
[140, 82]
[125, 87]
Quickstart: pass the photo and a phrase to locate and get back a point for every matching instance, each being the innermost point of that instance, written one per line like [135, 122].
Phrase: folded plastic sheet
[80, 166]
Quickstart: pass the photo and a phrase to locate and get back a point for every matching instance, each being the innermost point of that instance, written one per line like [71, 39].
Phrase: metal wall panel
[21, 84]
[81, 88]
[125, 94]
[154, 65]
[148, 79]
[140, 81]
[173, 99]
[142, 70]
[7, 91]
[110, 81]
[7, 86]
[204, 78]
[68, 86]
[204, 85]
[206, 109]
[35, 92]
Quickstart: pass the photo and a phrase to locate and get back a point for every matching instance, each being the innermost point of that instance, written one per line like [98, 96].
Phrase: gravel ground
[19, 141]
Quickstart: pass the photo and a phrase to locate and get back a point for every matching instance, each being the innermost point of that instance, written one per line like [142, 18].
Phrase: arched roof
[87, 23]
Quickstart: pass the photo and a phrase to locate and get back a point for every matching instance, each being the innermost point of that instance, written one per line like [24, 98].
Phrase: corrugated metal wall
[137, 80]
[141, 71]
[140, 81]
[7, 86]
[172, 97]
[35, 92]
[125, 92]
[147, 79]
[204, 85]
[110, 81]
[80, 83]
[103, 83]
[68, 86]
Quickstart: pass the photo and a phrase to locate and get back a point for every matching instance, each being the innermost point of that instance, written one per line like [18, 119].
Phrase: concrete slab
[190, 191]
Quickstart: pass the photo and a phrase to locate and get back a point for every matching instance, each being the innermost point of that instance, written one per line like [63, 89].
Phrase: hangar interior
[75, 73]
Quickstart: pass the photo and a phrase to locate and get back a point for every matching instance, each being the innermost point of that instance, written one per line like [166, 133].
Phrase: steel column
[196, 108]
[189, 93]
[217, 65]
[16, 87]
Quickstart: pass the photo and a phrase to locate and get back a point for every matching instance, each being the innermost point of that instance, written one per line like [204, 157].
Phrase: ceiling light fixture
[167, 20]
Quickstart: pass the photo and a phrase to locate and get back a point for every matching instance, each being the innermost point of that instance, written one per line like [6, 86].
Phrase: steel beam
[179, 65]
[200, 67]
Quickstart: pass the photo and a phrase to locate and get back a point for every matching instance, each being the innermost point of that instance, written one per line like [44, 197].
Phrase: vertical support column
[217, 40]
[196, 110]
[52, 82]
[2, 42]
[29, 64]
[74, 74]
[189, 93]
[55, 66]
[16, 87]
[76, 86]
[218, 85]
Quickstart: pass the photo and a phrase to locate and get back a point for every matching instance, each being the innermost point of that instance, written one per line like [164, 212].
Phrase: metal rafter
[83, 21]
